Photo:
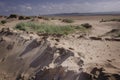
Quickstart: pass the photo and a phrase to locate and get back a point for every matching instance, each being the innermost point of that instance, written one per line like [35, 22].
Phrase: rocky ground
[94, 55]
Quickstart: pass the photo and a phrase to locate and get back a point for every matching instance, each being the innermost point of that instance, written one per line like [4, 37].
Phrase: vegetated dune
[77, 56]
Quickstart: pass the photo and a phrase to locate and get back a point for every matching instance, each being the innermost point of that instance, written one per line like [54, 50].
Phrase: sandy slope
[32, 55]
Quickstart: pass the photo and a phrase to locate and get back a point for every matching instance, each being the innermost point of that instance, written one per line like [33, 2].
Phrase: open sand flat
[97, 17]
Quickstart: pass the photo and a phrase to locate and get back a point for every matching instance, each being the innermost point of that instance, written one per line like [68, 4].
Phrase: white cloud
[25, 8]
[106, 6]
[29, 7]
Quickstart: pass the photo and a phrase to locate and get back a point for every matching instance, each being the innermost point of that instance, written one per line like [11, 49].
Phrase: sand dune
[94, 55]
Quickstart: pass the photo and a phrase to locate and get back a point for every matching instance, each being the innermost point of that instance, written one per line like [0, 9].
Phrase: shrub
[117, 20]
[67, 20]
[3, 21]
[59, 19]
[28, 17]
[21, 18]
[47, 28]
[45, 18]
[119, 35]
[13, 16]
[86, 25]
[102, 20]
[35, 19]
[40, 17]
[53, 18]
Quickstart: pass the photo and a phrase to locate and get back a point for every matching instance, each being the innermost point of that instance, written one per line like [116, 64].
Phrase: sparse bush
[1, 17]
[3, 21]
[21, 18]
[117, 20]
[86, 25]
[59, 19]
[47, 28]
[27, 17]
[45, 18]
[40, 17]
[67, 20]
[53, 18]
[102, 20]
[13, 16]
[119, 35]
[35, 19]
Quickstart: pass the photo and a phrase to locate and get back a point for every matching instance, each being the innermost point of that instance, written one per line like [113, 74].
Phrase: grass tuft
[68, 20]
[47, 28]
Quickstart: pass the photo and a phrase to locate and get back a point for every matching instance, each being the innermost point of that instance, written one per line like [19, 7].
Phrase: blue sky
[36, 7]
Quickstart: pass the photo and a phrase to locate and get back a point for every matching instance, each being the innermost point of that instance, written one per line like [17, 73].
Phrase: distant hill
[85, 14]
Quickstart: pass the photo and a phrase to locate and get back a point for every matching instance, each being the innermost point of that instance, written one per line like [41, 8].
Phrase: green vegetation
[3, 22]
[68, 20]
[47, 28]
[43, 17]
[116, 20]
